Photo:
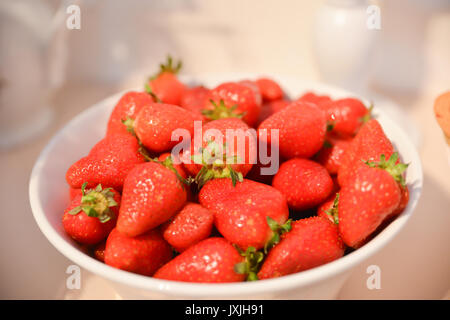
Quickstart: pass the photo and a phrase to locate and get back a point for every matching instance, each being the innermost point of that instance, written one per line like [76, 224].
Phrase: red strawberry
[241, 211]
[224, 155]
[346, 115]
[270, 90]
[310, 243]
[302, 128]
[189, 226]
[143, 254]
[165, 85]
[92, 215]
[314, 98]
[369, 144]
[270, 107]
[369, 198]
[329, 209]
[108, 163]
[168, 162]
[99, 251]
[330, 156]
[403, 201]
[155, 124]
[233, 100]
[194, 99]
[252, 85]
[305, 183]
[209, 261]
[74, 192]
[126, 110]
[151, 195]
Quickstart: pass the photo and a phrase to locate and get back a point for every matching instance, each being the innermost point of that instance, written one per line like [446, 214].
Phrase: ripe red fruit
[194, 99]
[369, 144]
[314, 98]
[209, 261]
[165, 85]
[270, 107]
[191, 225]
[142, 254]
[369, 198]
[99, 251]
[241, 211]
[305, 183]
[346, 115]
[238, 151]
[92, 215]
[233, 100]
[270, 90]
[108, 163]
[330, 156]
[302, 128]
[403, 201]
[155, 124]
[126, 110]
[151, 195]
[310, 243]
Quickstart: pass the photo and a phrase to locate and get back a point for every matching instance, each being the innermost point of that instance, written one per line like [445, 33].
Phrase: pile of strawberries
[138, 206]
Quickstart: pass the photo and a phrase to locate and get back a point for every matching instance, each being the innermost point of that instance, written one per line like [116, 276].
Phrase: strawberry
[92, 215]
[233, 100]
[189, 226]
[305, 183]
[152, 194]
[270, 90]
[329, 209]
[99, 251]
[302, 128]
[165, 85]
[346, 115]
[241, 212]
[143, 254]
[209, 261]
[330, 156]
[257, 93]
[403, 200]
[224, 155]
[371, 196]
[310, 243]
[126, 110]
[108, 163]
[270, 107]
[74, 192]
[314, 98]
[155, 124]
[368, 144]
[194, 99]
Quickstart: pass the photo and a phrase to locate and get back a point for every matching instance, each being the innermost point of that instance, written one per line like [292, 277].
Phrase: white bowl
[49, 196]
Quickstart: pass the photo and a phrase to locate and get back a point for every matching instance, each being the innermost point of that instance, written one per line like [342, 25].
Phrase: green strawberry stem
[214, 166]
[129, 124]
[169, 66]
[168, 163]
[333, 211]
[368, 115]
[277, 230]
[251, 264]
[395, 169]
[149, 90]
[221, 111]
[96, 203]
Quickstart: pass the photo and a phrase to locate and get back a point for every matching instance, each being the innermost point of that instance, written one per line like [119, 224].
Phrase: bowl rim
[186, 289]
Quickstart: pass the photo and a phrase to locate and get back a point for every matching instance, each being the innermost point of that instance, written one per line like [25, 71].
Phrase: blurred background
[396, 53]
